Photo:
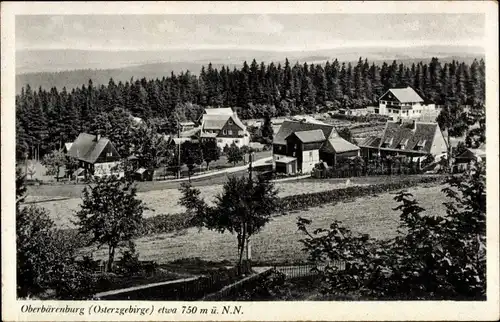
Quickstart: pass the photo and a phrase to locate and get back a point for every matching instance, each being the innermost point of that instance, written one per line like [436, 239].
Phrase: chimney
[98, 137]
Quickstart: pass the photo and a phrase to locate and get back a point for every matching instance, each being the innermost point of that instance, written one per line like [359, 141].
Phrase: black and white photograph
[251, 157]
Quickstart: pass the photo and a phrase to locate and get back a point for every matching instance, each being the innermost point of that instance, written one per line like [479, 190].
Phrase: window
[219, 140]
[109, 154]
[236, 141]
[230, 122]
[310, 155]
[230, 132]
[224, 132]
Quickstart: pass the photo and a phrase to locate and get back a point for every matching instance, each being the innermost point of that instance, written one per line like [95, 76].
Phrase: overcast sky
[266, 32]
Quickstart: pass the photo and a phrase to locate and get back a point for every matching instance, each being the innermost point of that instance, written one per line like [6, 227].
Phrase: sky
[278, 32]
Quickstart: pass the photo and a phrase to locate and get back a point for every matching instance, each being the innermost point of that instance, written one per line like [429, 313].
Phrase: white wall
[309, 159]
[439, 145]
[107, 168]
[221, 142]
[417, 109]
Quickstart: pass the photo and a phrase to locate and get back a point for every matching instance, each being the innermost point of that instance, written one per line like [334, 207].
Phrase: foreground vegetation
[47, 257]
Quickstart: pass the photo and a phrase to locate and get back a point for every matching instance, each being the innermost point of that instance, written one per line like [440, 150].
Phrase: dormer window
[421, 144]
[387, 142]
[403, 144]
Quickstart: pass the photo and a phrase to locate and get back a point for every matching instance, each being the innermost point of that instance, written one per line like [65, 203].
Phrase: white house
[403, 103]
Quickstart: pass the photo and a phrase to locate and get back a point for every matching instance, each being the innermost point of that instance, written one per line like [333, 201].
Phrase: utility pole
[250, 169]
[248, 246]
[178, 150]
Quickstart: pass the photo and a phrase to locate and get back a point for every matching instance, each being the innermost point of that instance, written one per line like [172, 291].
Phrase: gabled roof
[339, 145]
[86, 148]
[288, 127]
[403, 95]
[396, 132]
[219, 111]
[68, 145]
[214, 122]
[467, 155]
[217, 121]
[370, 142]
[309, 136]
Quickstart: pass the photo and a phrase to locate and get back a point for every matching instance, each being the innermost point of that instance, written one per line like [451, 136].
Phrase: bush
[434, 256]
[129, 263]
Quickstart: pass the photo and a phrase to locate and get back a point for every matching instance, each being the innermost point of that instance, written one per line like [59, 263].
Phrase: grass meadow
[279, 241]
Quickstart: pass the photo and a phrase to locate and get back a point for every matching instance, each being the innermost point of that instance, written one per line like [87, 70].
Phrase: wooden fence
[234, 288]
[188, 289]
[212, 287]
[295, 271]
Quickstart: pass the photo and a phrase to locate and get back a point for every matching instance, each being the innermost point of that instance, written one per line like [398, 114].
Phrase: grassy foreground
[278, 243]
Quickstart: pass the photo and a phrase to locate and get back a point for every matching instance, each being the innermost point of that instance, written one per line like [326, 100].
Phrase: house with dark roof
[299, 146]
[96, 155]
[411, 139]
[404, 103]
[223, 126]
[469, 156]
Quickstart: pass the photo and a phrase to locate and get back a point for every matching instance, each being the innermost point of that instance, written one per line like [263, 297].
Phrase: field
[166, 201]
[278, 243]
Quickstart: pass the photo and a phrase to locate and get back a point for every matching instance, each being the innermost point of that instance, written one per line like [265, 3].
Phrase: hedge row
[302, 201]
[170, 223]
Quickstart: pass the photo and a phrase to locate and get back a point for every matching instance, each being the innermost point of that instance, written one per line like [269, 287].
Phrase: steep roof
[396, 133]
[370, 142]
[214, 122]
[403, 95]
[217, 121]
[86, 148]
[339, 145]
[288, 127]
[309, 136]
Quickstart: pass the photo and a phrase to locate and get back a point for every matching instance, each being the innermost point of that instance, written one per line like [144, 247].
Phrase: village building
[403, 103]
[96, 155]
[186, 126]
[299, 146]
[469, 156]
[406, 138]
[223, 126]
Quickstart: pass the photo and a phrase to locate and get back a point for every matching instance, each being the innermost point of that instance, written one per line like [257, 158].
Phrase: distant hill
[73, 68]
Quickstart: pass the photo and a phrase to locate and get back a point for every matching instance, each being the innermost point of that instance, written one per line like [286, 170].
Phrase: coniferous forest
[47, 118]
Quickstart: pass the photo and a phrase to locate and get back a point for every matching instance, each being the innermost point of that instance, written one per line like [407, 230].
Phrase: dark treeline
[46, 119]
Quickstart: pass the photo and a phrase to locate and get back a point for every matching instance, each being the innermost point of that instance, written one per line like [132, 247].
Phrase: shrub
[129, 263]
